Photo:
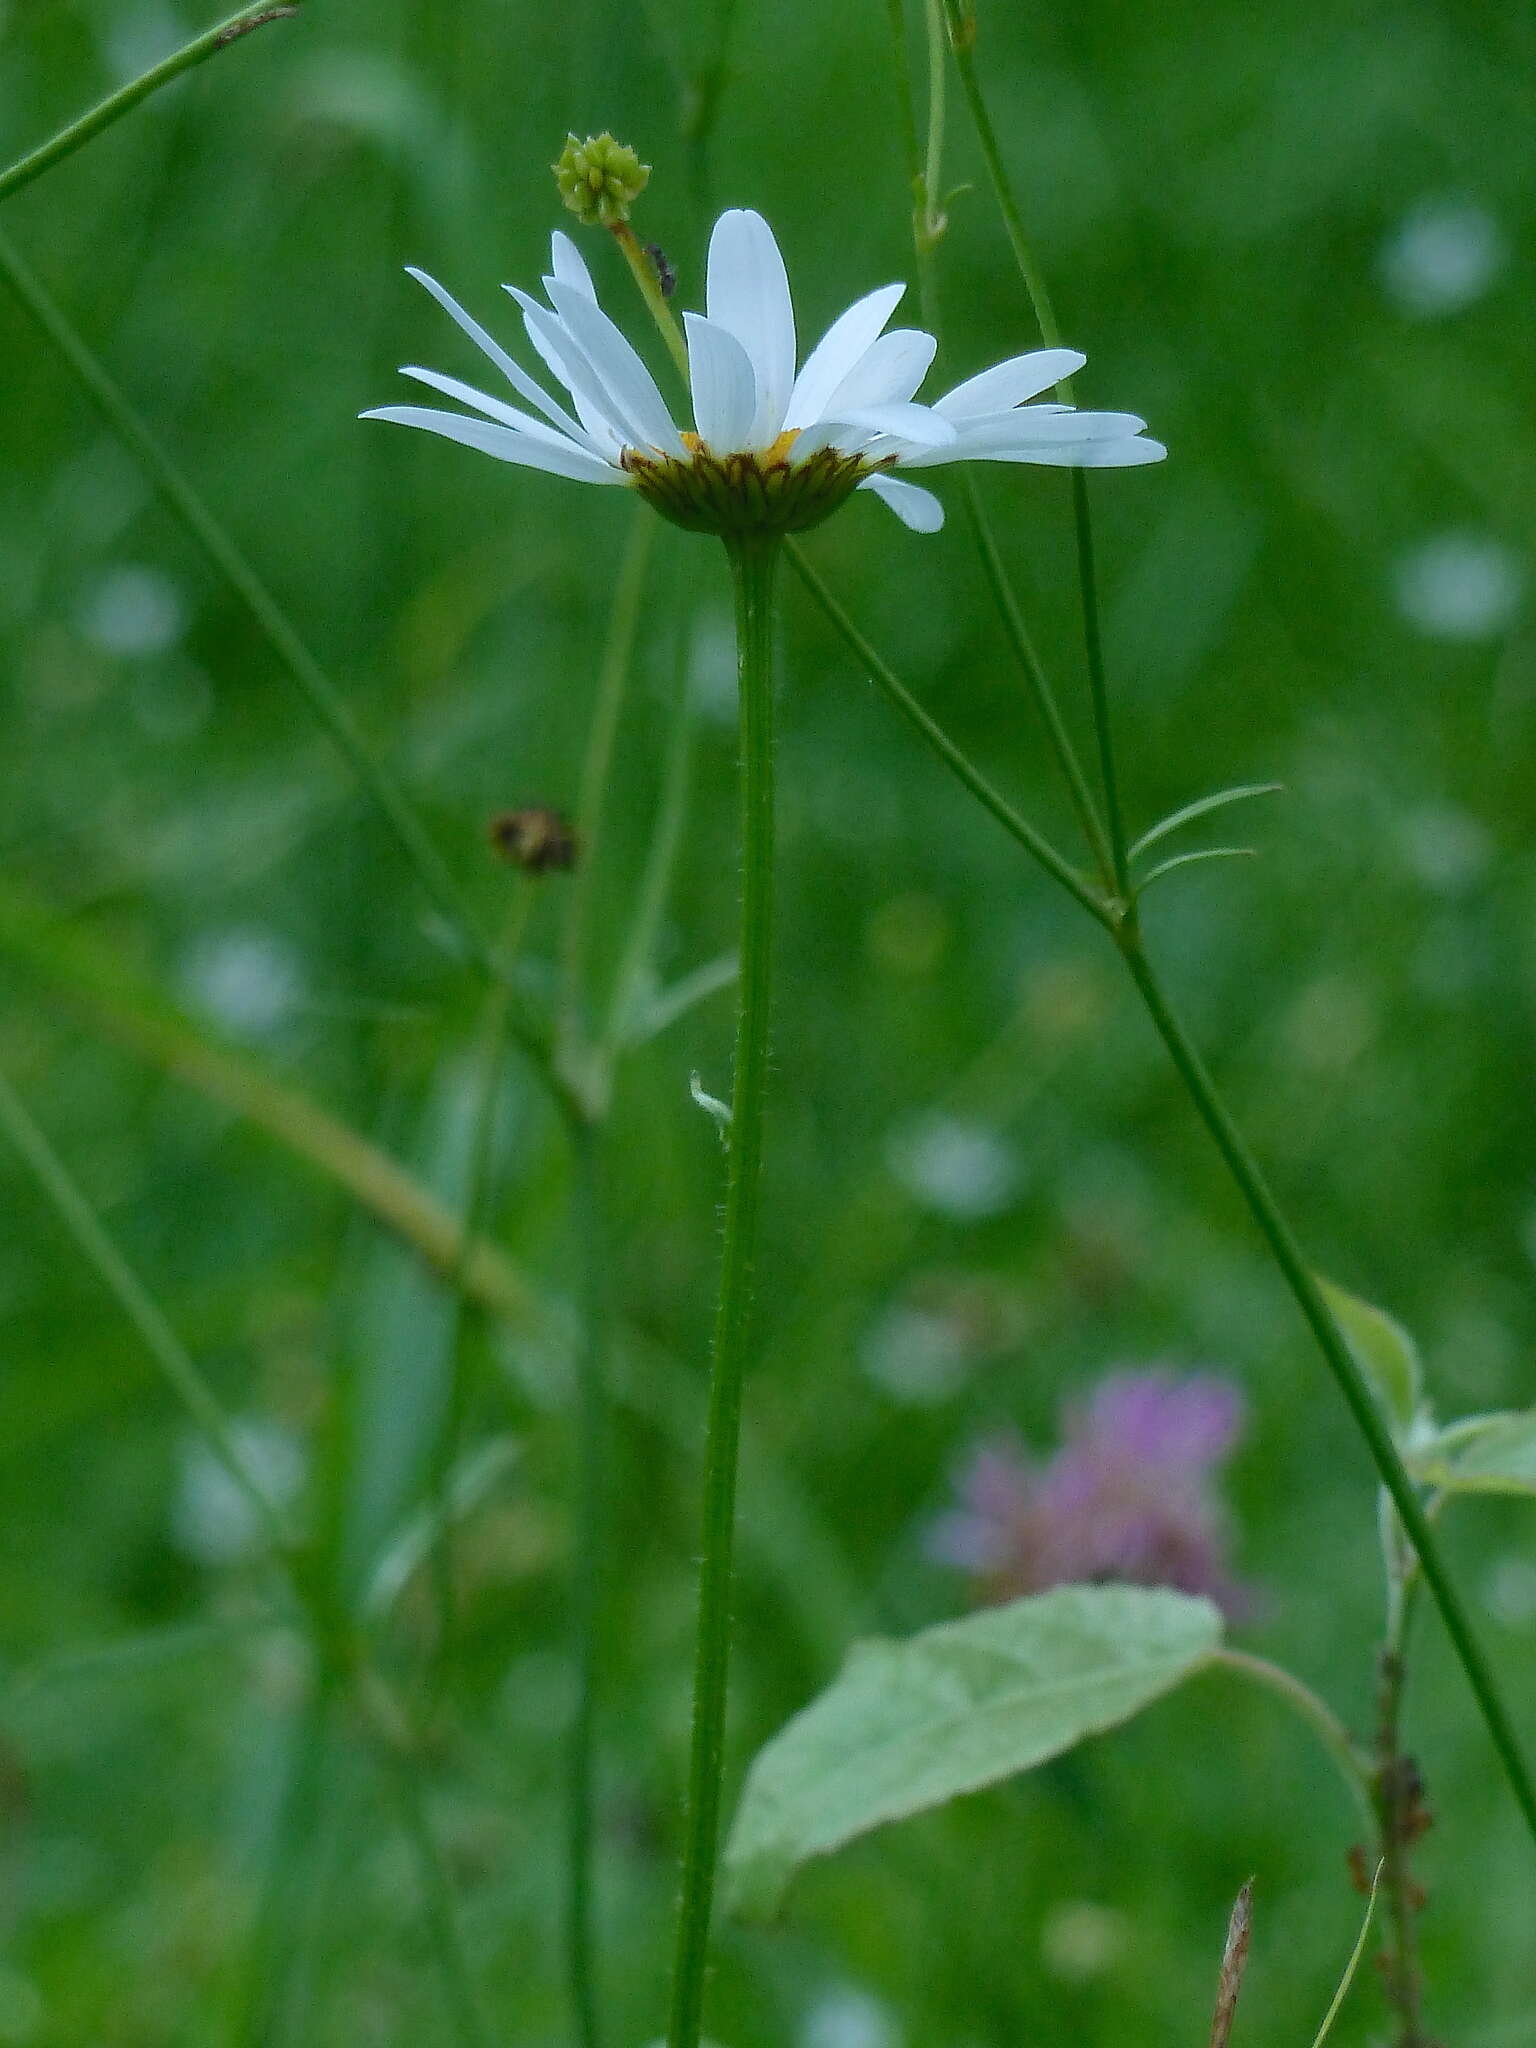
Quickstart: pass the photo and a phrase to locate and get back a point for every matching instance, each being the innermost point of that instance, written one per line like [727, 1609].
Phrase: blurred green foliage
[1299, 242]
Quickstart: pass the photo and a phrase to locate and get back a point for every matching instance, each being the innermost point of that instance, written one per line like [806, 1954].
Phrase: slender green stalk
[1315, 1711]
[1255, 1191]
[477, 1191]
[962, 39]
[613, 677]
[319, 692]
[906, 108]
[1029, 661]
[934, 220]
[587, 1583]
[438, 1902]
[752, 562]
[176, 1364]
[660, 860]
[958, 763]
[127, 97]
[107, 989]
[1244, 1169]
[1093, 643]
[924, 245]
[644, 272]
[1340, 1361]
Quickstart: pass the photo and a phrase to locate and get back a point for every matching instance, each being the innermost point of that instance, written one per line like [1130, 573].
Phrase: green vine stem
[752, 563]
[1316, 1712]
[1261, 1203]
[1276, 1231]
[127, 97]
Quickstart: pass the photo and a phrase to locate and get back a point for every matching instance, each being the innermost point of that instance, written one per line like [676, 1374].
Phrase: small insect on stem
[1234, 1960]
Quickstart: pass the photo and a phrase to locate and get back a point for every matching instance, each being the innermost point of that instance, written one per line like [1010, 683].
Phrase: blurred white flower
[248, 981]
[214, 1522]
[1444, 254]
[133, 611]
[1459, 586]
[848, 2016]
[1080, 1940]
[772, 451]
[962, 1169]
[915, 1355]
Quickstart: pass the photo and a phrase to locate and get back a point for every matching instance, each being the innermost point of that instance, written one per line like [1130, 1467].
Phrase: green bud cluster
[600, 179]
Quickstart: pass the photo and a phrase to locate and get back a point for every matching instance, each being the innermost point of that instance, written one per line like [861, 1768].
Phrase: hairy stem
[752, 564]
[128, 96]
[1261, 1203]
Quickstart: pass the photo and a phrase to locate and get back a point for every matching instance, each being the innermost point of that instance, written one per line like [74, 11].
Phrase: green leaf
[908, 1725]
[1188, 860]
[1481, 1454]
[1198, 809]
[1384, 1352]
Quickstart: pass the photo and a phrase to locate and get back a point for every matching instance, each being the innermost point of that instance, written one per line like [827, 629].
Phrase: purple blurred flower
[1128, 1497]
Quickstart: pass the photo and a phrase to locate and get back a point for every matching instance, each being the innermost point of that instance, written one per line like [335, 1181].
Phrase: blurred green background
[1299, 242]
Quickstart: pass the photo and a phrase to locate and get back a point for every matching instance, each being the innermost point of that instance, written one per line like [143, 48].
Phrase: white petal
[724, 388]
[600, 413]
[493, 408]
[912, 426]
[887, 374]
[1081, 454]
[505, 443]
[1010, 383]
[568, 264]
[916, 508]
[514, 372]
[838, 352]
[1034, 426]
[624, 377]
[747, 293]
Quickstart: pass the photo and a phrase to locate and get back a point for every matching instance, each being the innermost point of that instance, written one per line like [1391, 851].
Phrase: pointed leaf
[1481, 1454]
[1384, 1352]
[1185, 860]
[1199, 808]
[908, 1725]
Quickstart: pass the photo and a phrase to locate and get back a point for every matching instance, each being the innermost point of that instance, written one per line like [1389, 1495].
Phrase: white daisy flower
[770, 450]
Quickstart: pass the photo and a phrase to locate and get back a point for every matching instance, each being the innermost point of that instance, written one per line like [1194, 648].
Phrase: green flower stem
[1040, 688]
[752, 563]
[924, 244]
[1340, 1361]
[175, 1362]
[644, 272]
[881, 673]
[1098, 692]
[1213, 1112]
[962, 40]
[934, 219]
[127, 97]
[1324, 1722]
[321, 694]
[1244, 1169]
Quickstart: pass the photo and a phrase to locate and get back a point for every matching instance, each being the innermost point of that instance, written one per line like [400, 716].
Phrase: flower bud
[600, 179]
